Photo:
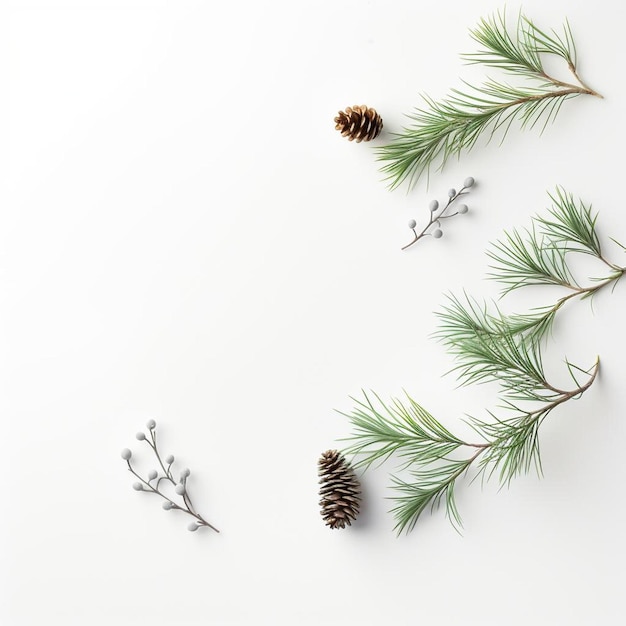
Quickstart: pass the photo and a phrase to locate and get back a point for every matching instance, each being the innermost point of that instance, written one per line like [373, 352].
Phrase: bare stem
[570, 90]
[587, 89]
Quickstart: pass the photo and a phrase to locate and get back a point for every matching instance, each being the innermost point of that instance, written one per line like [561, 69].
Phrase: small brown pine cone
[359, 122]
[339, 491]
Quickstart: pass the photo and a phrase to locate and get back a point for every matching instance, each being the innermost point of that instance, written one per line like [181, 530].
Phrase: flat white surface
[185, 237]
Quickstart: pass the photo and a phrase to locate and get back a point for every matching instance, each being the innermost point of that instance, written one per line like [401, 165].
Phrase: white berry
[137, 486]
[433, 206]
[438, 233]
[151, 424]
[412, 224]
[126, 454]
[152, 474]
[140, 436]
[192, 527]
[180, 489]
[463, 208]
[468, 182]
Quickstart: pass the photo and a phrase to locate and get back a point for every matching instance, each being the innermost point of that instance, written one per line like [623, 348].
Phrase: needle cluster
[152, 482]
[441, 130]
[489, 346]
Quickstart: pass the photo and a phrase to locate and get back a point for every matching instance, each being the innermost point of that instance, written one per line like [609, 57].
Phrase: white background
[185, 237]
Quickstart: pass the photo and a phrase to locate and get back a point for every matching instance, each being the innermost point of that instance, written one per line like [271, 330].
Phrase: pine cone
[339, 491]
[359, 122]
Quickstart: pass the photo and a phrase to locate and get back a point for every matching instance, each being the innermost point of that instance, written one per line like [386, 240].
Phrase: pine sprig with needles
[489, 346]
[542, 255]
[538, 256]
[436, 458]
[441, 130]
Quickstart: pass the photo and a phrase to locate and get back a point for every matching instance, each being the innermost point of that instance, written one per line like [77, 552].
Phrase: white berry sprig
[152, 483]
[438, 214]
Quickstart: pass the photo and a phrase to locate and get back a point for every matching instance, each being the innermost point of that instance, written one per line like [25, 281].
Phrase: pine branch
[514, 443]
[540, 256]
[408, 432]
[442, 130]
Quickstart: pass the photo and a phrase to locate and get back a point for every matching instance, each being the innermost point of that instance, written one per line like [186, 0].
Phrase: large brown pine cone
[339, 491]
